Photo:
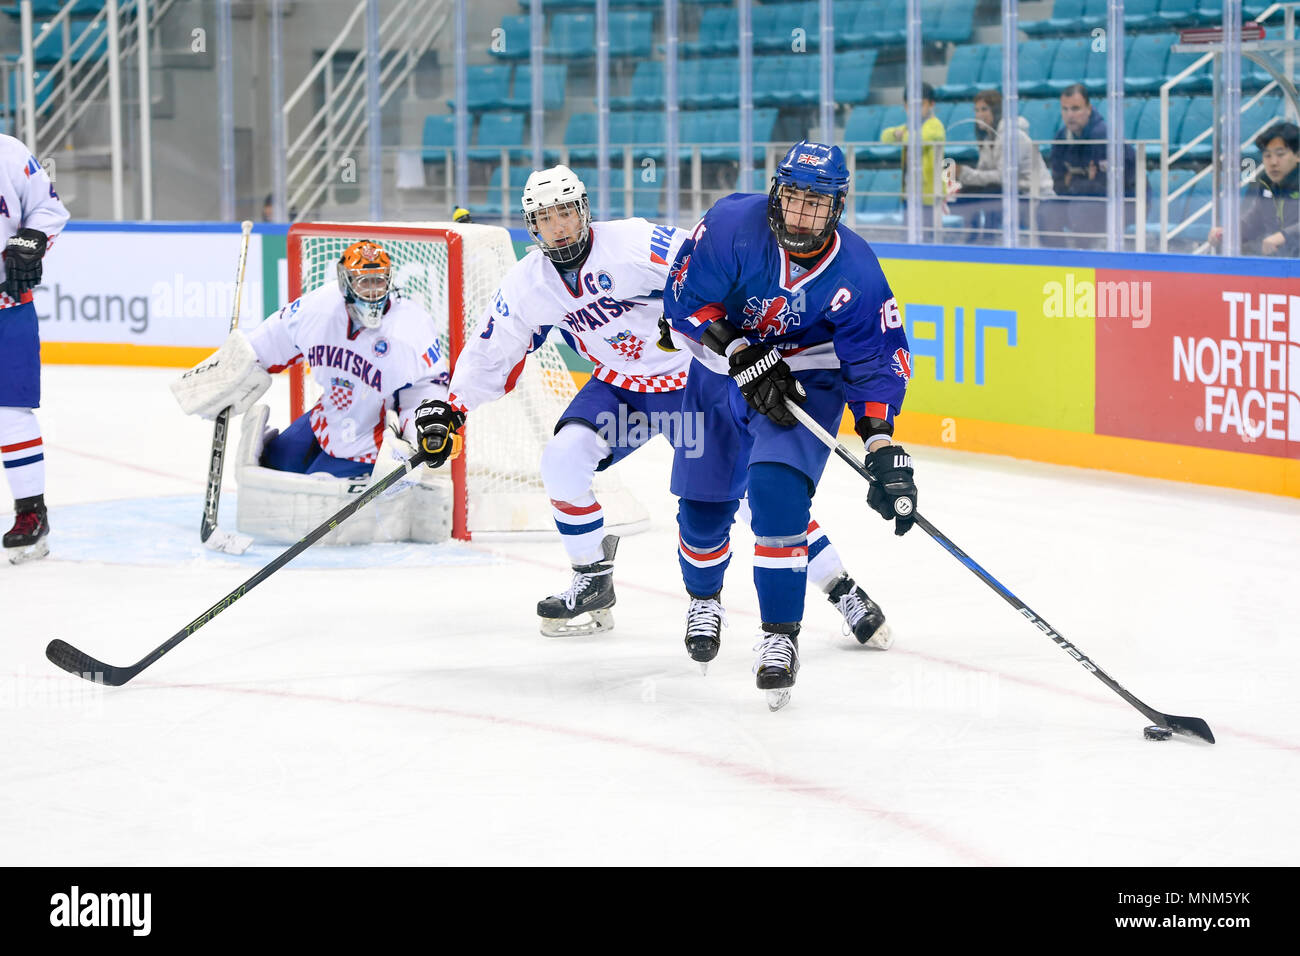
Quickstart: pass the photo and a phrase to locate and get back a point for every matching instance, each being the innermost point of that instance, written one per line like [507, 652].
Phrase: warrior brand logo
[677, 275]
[903, 364]
[769, 316]
[660, 240]
[76, 909]
[626, 344]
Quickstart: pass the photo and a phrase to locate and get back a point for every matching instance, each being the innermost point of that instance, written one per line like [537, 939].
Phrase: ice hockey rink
[397, 705]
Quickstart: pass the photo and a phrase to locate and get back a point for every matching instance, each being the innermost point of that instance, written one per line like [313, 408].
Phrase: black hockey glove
[766, 381]
[22, 259]
[893, 492]
[436, 425]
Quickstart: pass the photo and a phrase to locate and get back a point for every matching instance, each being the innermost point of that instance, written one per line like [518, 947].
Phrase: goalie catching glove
[893, 492]
[229, 378]
[436, 428]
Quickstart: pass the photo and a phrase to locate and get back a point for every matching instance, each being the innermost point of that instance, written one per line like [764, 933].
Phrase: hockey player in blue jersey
[776, 300]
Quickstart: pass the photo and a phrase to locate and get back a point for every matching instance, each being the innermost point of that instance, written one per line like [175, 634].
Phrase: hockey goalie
[375, 356]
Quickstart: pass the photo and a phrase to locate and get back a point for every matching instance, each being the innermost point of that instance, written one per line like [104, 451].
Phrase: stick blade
[227, 541]
[64, 655]
[1189, 727]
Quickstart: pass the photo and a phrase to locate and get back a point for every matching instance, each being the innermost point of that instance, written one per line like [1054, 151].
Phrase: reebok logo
[75, 909]
[25, 243]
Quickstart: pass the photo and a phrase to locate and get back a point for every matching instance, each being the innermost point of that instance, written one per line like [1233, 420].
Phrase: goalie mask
[365, 279]
[807, 197]
[557, 215]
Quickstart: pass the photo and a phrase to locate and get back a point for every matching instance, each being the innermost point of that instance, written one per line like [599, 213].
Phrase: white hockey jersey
[397, 365]
[613, 319]
[27, 201]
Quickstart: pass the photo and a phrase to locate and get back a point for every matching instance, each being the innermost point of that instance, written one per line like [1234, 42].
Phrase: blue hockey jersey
[840, 314]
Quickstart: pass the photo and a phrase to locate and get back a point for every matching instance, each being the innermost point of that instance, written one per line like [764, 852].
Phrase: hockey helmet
[800, 219]
[365, 279]
[558, 189]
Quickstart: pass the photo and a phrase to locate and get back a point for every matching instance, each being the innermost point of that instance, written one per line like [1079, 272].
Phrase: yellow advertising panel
[999, 343]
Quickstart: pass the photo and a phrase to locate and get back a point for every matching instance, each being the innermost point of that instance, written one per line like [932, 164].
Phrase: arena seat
[1035, 65]
[1178, 13]
[647, 88]
[439, 136]
[630, 33]
[491, 206]
[516, 37]
[1070, 65]
[554, 81]
[1141, 14]
[717, 33]
[963, 72]
[853, 69]
[1064, 19]
[954, 22]
[1144, 63]
[497, 131]
[573, 36]
[487, 88]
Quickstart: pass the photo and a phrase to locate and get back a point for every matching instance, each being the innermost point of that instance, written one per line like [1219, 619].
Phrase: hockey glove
[436, 425]
[766, 381]
[893, 492]
[22, 258]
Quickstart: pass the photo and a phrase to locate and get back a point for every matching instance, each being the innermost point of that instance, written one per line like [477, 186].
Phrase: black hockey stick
[1187, 726]
[64, 655]
[234, 544]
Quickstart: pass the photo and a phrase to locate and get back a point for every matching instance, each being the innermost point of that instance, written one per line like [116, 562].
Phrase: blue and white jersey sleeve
[705, 272]
[872, 348]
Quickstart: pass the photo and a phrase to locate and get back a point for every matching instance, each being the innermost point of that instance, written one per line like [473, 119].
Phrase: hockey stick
[64, 655]
[1187, 726]
[212, 536]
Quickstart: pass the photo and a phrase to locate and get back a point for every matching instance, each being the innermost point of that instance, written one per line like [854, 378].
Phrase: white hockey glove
[230, 377]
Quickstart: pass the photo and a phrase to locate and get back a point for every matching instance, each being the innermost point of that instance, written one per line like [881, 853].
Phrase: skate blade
[598, 622]
[32, 552]
[778, 698]
[881, 639]
[704, 668]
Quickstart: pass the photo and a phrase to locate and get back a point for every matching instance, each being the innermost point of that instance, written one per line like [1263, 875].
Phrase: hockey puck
[1155, 732]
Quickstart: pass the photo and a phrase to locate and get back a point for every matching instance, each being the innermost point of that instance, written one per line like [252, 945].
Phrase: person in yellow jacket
[932, 131]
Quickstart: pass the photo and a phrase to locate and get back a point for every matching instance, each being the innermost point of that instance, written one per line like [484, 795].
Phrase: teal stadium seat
[963, 72]
[554, 80]
[491, 206]
[959, 123]
[1142, 14]
[717, 33]
[573, 36]
[41, 10]
[516, 40]
[854, 23]
[438, 138]
[630, 34]
[954, 23]
[1199, 82]
[487, 88]
[863, 128]
[1198, 118]
[1095, 71]
[1095, 14]
[990, 77]
[1178, 13]
[1144, 64]
[1044, 118]
[1064, 19]
[882, 152]
[497, 131]
[890, 27]
[884, 197]
[853, 69]
[1070, 64]
[1035, 65]
[647, 87]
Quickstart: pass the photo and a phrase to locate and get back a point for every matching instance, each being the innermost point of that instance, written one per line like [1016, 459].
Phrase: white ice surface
[350, 712]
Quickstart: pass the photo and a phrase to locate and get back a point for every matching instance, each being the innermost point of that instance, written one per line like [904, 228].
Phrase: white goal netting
[505, 438]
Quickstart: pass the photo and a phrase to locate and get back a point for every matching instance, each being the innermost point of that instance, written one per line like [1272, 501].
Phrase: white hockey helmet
[558, 188]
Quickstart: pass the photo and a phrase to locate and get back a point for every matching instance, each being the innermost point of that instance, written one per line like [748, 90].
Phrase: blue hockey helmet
[801, 223]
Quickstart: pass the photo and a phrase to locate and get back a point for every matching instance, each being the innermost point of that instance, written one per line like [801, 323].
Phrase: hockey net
[453, 270]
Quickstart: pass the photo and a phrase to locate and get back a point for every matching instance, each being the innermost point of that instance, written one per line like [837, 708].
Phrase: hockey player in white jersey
[375, 356]
[600, 285]
[31, 216]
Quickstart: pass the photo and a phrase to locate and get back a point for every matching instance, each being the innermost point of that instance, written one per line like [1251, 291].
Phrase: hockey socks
[704, 544]
[779, 497]
[22, 452]
[581, 524]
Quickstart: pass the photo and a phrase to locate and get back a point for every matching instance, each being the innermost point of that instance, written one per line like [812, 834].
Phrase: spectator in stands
[268, 210]
[932, 131]
[980, 199]
[1270, 219]
[461, 215]
[1078, 161]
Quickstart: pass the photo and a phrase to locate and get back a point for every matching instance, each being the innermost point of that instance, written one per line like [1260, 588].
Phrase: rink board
[1186, 368]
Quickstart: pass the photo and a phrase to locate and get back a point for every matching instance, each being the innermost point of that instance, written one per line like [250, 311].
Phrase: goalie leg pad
[230, 377]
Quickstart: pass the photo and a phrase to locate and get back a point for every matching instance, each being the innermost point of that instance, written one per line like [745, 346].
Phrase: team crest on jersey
[626, 344]
[769, 316]
[381, 346]
[340, 393]
[677, 275]
[903, 364]
[604, 280]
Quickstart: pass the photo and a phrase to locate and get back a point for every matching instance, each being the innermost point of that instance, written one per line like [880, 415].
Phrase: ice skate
[777, 663]
[704, 621]
[863, 617]
[28, 539]
[591, 595]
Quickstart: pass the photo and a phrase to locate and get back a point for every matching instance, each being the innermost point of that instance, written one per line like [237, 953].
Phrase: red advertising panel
[1214, 362]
